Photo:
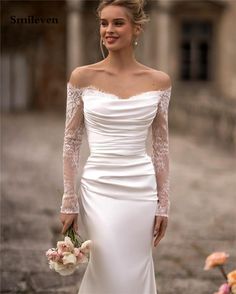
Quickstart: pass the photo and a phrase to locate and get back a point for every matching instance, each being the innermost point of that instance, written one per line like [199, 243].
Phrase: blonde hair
[134, 8]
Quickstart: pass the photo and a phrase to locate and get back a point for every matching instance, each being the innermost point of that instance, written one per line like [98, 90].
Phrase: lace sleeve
[74, 128]
[160, 153]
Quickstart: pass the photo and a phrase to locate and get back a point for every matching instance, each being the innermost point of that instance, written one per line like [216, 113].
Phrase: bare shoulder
[161, 79]
[80, 76]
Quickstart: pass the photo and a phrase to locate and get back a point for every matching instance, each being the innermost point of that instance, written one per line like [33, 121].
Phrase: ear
[137, 29]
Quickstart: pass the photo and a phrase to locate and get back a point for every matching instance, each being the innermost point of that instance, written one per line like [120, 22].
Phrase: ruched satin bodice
[116, 125]
[117, 129]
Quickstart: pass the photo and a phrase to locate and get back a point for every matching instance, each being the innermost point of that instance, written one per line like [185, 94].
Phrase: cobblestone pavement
[202, 215]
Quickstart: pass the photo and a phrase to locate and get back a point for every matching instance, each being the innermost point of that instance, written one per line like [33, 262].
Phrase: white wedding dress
[122, 188]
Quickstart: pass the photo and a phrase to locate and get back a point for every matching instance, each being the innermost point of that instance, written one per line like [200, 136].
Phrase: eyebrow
[120, 18]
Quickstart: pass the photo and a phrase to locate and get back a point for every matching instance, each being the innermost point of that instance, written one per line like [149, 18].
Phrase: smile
[111, 39]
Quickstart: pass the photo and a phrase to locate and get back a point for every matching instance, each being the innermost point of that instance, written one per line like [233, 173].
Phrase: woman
[123, 191]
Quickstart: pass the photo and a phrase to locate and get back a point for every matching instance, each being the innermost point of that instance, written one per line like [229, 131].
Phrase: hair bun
[141, 2]
[135, 9]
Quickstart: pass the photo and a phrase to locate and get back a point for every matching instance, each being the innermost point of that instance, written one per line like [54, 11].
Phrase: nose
[110, 28]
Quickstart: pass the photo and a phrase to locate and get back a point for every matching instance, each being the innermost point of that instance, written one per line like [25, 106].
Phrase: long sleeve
[160, 153]
[74, 128]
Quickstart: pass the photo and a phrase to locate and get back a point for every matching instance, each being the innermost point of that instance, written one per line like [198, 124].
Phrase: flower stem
[221, 267]
[74, 237]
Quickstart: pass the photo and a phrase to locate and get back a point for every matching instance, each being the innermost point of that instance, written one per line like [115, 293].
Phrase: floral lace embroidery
[160, 153]
[74, 128]
[70, 204]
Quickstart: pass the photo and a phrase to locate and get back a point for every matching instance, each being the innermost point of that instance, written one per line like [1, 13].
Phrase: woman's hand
[67, 220]
[159, 228]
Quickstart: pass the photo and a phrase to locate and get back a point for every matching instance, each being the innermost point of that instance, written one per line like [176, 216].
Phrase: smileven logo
[31, 19]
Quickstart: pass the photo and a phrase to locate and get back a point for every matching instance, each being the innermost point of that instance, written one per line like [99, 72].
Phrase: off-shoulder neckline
[94, 88]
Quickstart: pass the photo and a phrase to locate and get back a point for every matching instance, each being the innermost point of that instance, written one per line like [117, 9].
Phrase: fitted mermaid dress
[122, 188]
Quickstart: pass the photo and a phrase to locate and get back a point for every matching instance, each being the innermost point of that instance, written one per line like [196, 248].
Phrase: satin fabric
[118, 194]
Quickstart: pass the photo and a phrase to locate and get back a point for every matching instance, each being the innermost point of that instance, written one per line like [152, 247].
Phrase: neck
[122, 60]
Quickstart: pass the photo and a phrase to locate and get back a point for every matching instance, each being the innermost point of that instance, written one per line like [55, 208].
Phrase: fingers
[157, 225]
[158, 239]
[67, 220]
[75, 225]
[65, 227]
[159, 229]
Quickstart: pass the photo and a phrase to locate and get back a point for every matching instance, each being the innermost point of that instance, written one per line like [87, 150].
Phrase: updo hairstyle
[135, 10]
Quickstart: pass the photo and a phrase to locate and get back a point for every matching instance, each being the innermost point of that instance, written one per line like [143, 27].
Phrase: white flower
[52, 264]
[69, 258]
[64, 269]
[86, 246]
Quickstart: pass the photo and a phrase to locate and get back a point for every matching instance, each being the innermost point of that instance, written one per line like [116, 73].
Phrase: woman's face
[116, 29]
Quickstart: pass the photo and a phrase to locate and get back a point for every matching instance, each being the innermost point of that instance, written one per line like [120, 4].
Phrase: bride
[124, 193]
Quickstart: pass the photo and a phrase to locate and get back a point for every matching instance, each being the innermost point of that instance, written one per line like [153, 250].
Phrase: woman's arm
[74, 128]
[160, 154]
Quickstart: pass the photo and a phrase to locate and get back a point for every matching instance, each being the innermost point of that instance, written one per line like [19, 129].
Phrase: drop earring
[135, 42]
[102, 43]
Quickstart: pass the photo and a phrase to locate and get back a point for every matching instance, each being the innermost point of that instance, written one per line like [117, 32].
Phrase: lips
[110, 38]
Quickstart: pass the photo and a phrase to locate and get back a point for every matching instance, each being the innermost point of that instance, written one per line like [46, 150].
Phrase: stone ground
[202, 217]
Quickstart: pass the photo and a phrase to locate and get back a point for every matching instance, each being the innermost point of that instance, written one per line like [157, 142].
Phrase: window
[195, 50]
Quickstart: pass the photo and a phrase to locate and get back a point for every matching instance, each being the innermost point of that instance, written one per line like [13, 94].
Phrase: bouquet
[218, 259]
[69, 254]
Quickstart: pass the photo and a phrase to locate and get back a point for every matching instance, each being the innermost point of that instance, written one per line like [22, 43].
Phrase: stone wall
[208, 117]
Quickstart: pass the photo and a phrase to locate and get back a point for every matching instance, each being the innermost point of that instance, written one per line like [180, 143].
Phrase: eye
[119, 23]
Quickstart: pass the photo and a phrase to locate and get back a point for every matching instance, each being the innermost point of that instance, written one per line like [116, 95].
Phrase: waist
[118, 153]
[117, 145]
[110, 165]
[114, 159]
[117, 150]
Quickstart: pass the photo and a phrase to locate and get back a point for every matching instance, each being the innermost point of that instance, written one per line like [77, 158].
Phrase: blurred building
[192, 40]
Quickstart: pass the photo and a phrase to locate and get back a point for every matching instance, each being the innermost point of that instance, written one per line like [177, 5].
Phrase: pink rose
[65, 246]
[77, 251]
[53, 255]
[214, 259]
[49, 252]
[82, 258]
[224, 289]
